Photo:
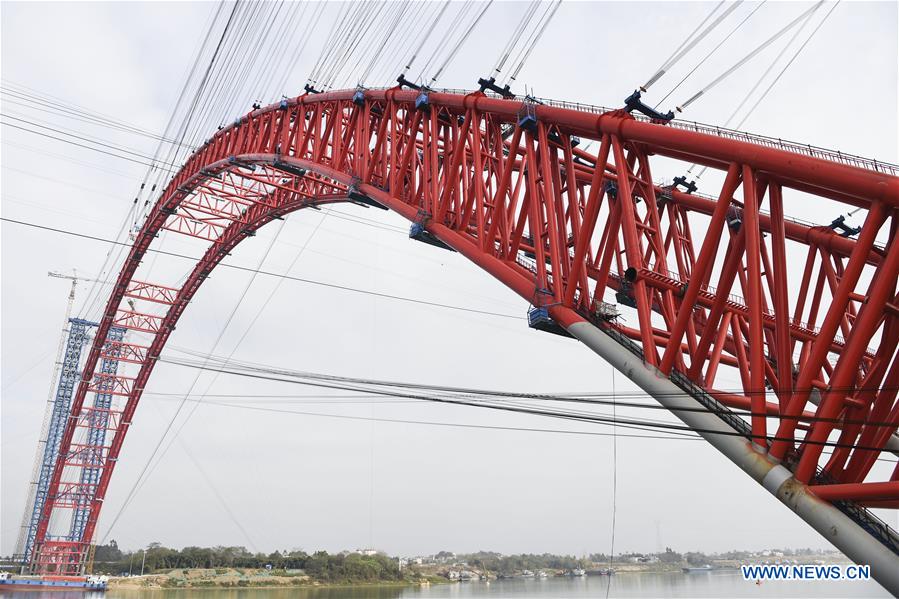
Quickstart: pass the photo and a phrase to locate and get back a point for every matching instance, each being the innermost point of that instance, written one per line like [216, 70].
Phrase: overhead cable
[690, 42]
[535, 37]
[726, 38]
[750, 56]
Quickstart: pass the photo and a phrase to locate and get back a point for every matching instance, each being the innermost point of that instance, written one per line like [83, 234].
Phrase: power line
[614, 398]
[331, 382]
[268, 273]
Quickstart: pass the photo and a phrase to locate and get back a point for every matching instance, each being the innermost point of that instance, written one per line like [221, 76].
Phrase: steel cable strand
[536, 39]
[402, 46]
[278, 54]
[444, 39]
[392, 29]
[525, 20]
[455, 50]
[355, 38]
[277, 376]
[214, 97]
[749, 56]
[274, 89]
[236, 102]
[39, 104]
[257, 69]
[173, 161]
[375, 43]
[672, 428]
[368, 42]
[425, 37]
[333, 46]
[201, 87]
[765, 74]
[329, 39]
[787, 66]
[302, 43]
[220, 55]
[725, 39]
[339, 43]
[578, 397]
[359, 32]
[689, 44]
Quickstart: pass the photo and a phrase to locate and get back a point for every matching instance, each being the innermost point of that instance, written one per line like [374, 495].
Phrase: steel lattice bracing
[712, 280]
[62, 401]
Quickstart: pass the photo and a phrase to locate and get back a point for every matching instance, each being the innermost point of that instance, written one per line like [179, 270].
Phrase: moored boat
[52, 583]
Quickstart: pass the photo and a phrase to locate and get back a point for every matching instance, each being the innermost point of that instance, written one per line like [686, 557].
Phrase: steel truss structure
[713, 281]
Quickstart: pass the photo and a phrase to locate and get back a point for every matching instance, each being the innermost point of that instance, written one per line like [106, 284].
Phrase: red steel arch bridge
[806, 315]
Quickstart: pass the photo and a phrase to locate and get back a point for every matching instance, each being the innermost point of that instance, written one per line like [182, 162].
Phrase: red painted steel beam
[878, 491]
[482, 199]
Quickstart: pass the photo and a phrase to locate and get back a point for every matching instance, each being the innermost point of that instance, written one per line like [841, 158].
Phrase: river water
[725, 583]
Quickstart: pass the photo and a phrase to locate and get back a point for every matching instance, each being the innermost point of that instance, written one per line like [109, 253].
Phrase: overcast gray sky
[315, 482]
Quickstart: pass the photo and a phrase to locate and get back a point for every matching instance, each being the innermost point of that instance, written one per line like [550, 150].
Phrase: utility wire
[331, 382]
[268, 273]
[614, 398]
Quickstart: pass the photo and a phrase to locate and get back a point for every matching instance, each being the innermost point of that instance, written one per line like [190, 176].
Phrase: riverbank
[238, 578]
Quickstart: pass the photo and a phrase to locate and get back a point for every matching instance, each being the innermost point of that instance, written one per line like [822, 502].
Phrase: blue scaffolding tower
[69, 376]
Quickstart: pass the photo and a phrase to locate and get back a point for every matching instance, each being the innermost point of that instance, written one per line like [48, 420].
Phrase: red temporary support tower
[714, 281]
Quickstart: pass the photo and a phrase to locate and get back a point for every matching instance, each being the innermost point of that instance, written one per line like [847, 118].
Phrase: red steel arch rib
[807, 319]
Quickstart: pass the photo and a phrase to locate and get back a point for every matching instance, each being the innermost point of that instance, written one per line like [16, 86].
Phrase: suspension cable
[711, 52]
[425, 37]
[516, 36]
[765, 74]
[393, 27]
[444, 39]
[750, 56]
[689, 44]
[471, 27]
[548, 16]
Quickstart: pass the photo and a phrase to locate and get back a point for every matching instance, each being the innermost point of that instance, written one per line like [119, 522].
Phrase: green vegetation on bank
[507, 564]
[321, 566]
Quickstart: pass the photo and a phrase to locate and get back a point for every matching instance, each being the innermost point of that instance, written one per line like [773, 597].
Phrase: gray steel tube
[834, 525]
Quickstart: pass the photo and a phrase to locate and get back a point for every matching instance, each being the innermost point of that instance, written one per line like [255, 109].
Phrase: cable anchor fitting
[633, 102]
[490, 84]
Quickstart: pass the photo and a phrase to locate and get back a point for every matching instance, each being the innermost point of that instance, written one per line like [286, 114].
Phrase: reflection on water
[706, 584]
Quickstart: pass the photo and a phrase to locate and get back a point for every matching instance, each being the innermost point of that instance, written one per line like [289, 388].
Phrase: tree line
[321, 565]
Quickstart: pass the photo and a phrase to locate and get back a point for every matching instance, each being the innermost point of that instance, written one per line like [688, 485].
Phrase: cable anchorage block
[633, 102]
[490, 84]
[310, 89]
